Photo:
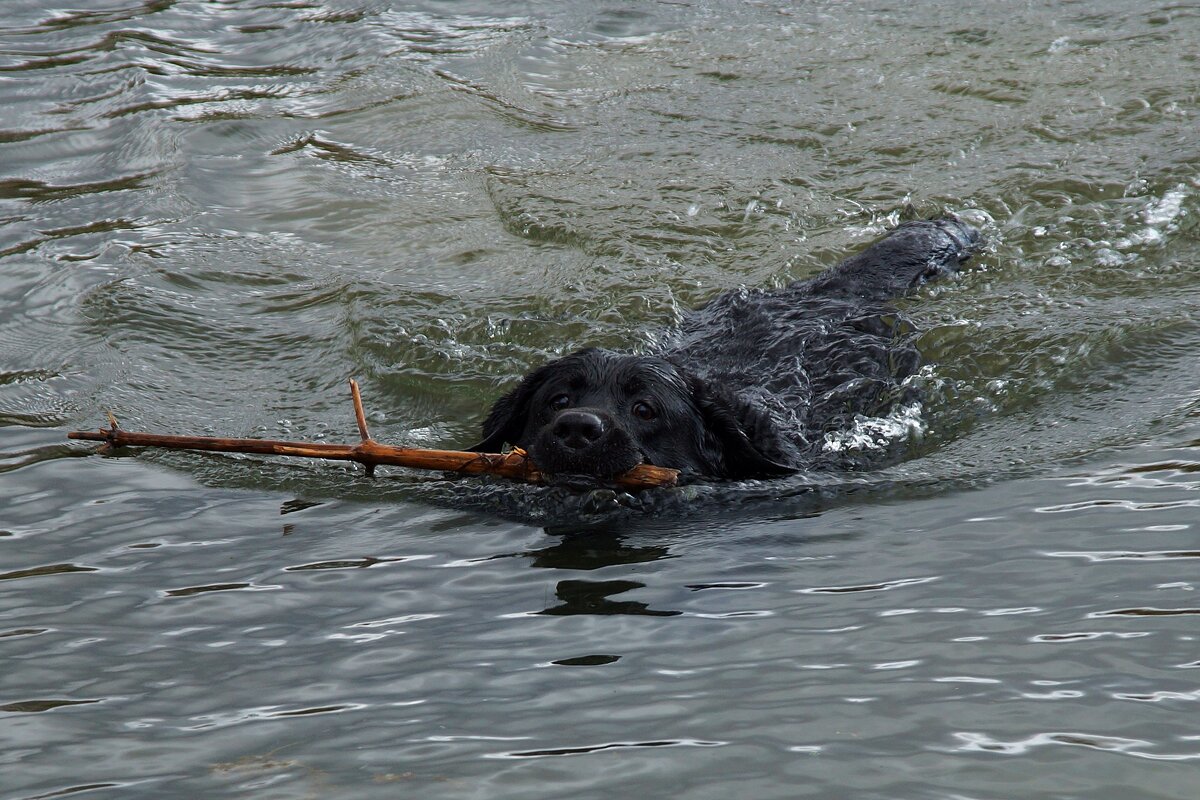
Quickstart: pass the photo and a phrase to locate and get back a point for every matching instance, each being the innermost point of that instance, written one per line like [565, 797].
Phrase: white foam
[876, 433]
[1166, 210]
[1160, 216]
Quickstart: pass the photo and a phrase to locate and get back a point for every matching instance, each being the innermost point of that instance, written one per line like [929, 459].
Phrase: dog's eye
[559, 402]
[643, 410]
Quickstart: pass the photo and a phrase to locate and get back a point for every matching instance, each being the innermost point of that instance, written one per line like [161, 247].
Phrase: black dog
[749, 384]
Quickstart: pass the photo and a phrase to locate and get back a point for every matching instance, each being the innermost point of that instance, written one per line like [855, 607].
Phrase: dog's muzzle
[584, 442]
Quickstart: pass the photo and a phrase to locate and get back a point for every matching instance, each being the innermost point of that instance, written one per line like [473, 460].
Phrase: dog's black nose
[578, 429]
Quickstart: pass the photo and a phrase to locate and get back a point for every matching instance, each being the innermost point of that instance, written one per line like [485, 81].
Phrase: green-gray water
[212, 214]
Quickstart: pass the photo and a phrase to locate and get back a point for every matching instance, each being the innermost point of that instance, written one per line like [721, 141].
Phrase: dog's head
[596, 414]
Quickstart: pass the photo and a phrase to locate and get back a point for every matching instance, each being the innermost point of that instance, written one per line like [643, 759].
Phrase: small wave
[1168, 209]
[1161, 217]
[878, 433]
[981, 742]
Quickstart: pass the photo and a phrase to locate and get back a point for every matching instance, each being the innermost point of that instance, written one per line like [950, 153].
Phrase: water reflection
[592, 597]
[592, 551]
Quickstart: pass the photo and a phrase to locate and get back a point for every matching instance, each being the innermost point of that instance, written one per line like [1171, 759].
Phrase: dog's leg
[908, 256]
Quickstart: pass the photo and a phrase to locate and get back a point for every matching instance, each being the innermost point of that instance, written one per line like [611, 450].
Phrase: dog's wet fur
[748, 386]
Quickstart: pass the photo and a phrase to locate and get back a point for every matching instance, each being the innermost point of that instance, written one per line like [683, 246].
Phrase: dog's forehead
[649, 375]
[601, 369]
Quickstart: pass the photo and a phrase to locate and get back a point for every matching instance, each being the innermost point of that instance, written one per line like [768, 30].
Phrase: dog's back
[822, 351]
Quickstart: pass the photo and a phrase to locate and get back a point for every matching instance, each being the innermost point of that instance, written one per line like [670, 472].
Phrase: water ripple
[1144, 612]
[882, 586]
[588, 749]
[192, 591]
[982, 742]
[1117, 504]
[1127, 555]
[46, 570]
[228, 719]
[38, 706]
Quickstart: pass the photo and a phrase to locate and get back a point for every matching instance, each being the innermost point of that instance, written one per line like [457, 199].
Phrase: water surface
[211, 215]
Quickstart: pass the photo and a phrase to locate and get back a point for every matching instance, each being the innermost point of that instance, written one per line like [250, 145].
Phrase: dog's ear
[506, 421]
[750, 443]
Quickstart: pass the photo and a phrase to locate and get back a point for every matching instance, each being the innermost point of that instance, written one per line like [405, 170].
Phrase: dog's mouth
[596, 464]
[576, 482]
[583, 477]
[580, 482]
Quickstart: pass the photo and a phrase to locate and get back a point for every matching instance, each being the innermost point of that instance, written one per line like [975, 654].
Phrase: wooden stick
[360, 417]
[515, 464]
